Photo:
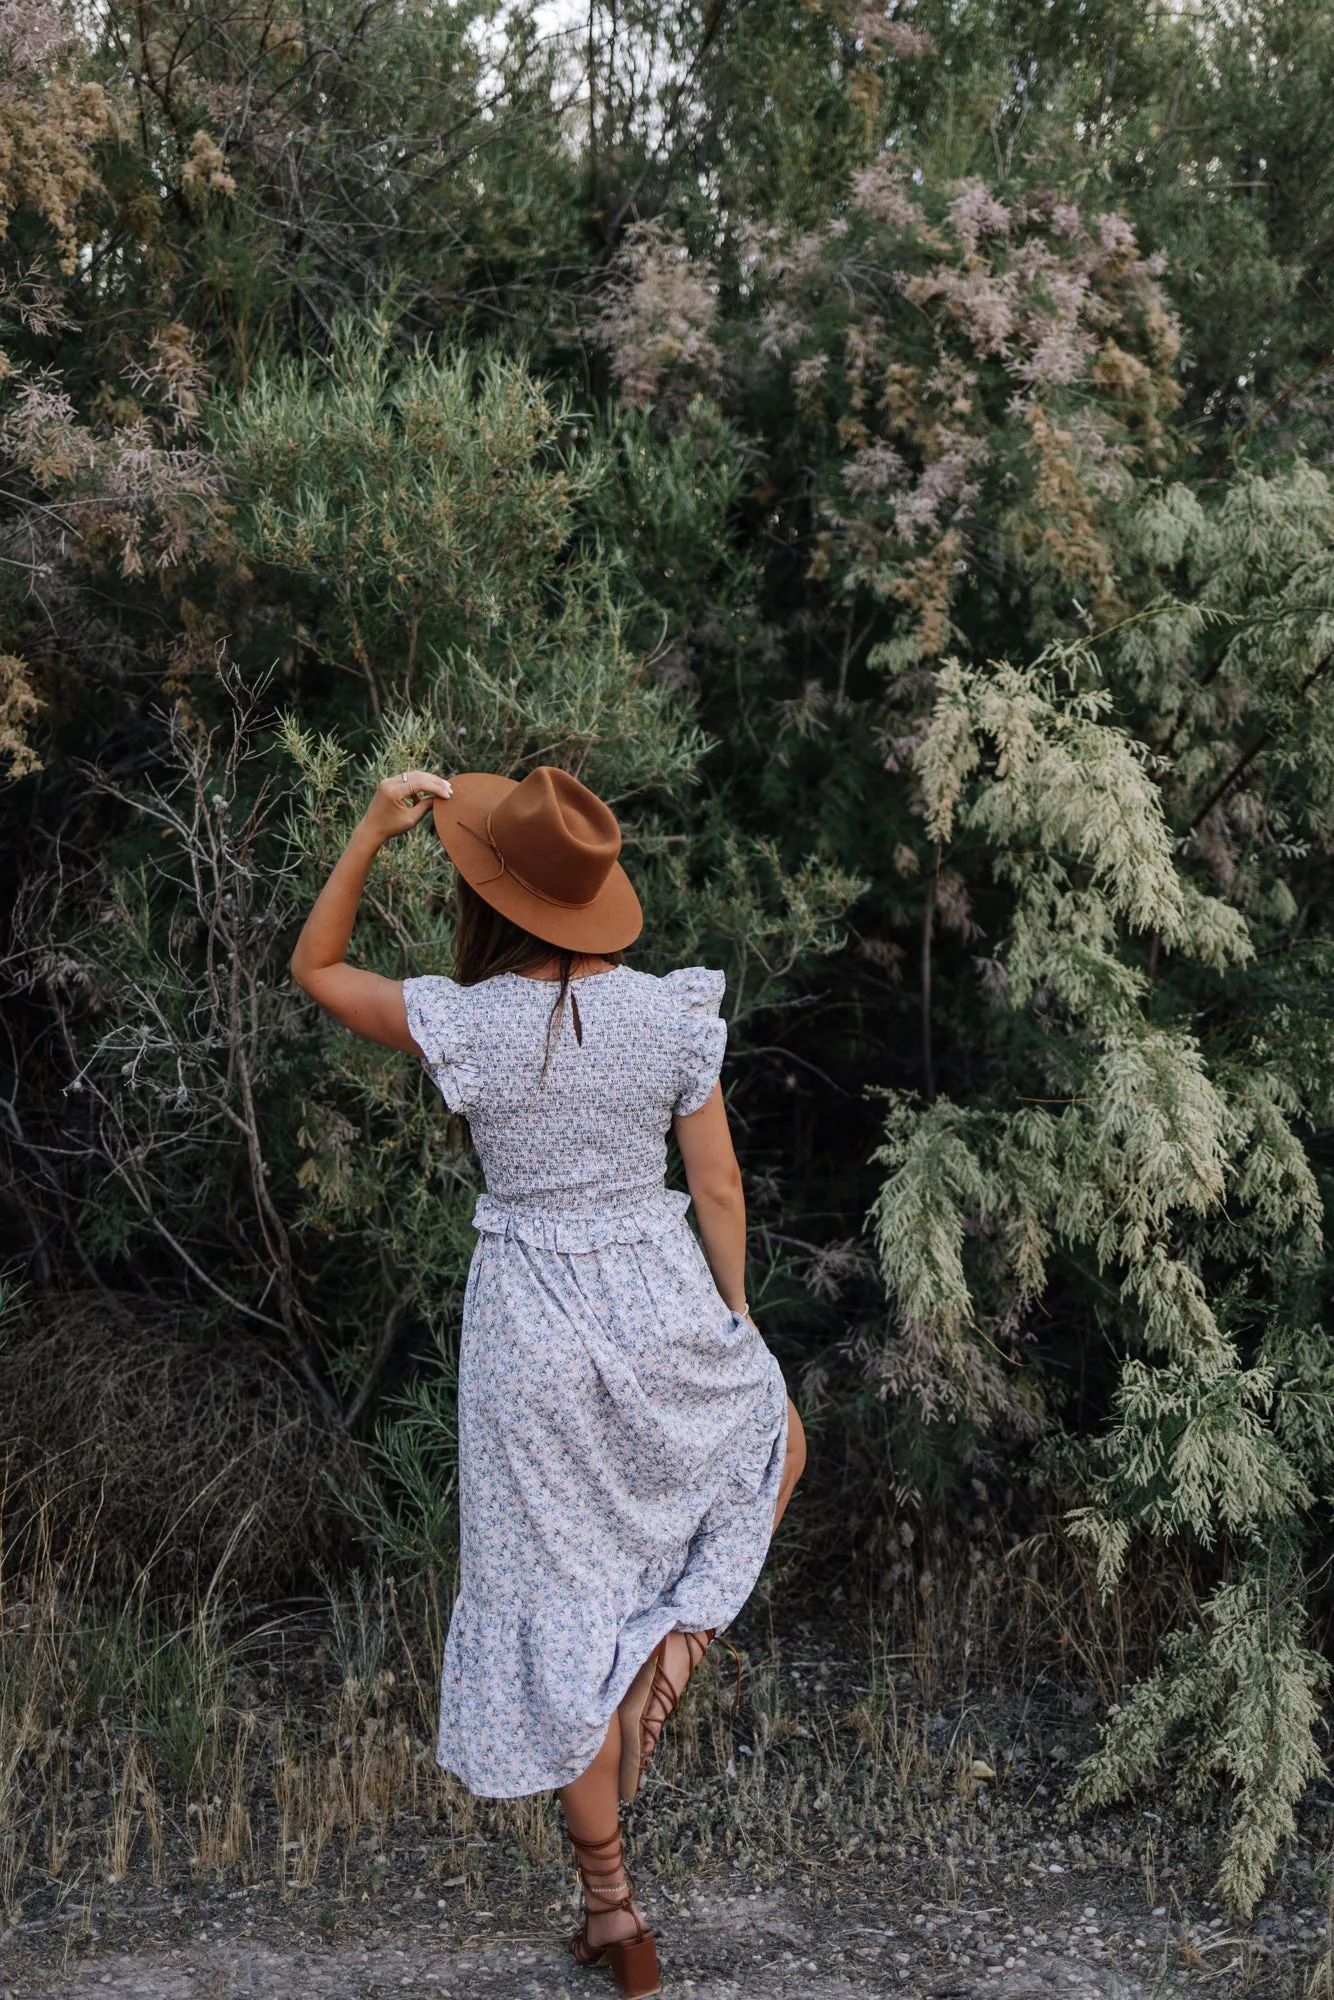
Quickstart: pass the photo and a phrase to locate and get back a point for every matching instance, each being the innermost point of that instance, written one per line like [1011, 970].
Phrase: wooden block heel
[634, 1967]
[634, 1963]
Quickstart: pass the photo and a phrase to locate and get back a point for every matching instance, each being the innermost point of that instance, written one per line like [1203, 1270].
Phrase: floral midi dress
[621, 1431]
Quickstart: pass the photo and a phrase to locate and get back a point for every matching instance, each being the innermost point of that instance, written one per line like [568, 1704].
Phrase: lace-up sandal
[633, 1961]
[649, 1705]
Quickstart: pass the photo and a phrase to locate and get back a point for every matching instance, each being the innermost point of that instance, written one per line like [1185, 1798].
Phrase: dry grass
[998, 1597]
[152, 1720]
[130, 1736]
[192, 1452]
[174, 1738]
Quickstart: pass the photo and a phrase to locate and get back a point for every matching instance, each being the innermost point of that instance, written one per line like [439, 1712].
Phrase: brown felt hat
[542, 851]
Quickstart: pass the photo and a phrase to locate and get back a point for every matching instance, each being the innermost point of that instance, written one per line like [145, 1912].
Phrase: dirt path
[1052, 1943]
[850, 1846]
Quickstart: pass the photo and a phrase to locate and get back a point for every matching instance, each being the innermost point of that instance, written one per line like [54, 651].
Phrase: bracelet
[743, 1310]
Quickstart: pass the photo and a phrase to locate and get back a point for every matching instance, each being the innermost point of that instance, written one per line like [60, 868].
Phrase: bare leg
[592, 1813]
[795, 1462]
[680, 1654]
[670, 1668]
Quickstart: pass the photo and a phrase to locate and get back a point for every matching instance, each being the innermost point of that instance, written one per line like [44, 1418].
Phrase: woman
[626, 1446]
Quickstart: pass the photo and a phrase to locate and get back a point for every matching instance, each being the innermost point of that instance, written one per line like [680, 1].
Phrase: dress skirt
[621, 1445]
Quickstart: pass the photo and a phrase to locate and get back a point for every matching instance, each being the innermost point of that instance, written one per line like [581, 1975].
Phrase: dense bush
[886, 454]
[139, 1442]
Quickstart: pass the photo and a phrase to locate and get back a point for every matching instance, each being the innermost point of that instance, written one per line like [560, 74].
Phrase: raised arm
[714, 1180]
[363, 1001]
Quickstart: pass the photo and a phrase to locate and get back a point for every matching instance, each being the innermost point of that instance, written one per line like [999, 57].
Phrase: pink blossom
[1058, 355]
[35, 303]
[954, 906]
[1116, 235]
[754, 244]
[1101, 461]
[875, 30]
[944, 486]
[660, 315]
[981, 298]
[877, 192]
[874, 470]
[976, 213]
[42, 406]
[121, 489]
[1218, 848]
[1055, 334]
[1067, 287]
[859, 345]
[781, 327]
[952, 382]
[833, 1264]
[810, 370]
[30, 32]
[174, 372]
[987, 304]
[799, 259]
[1246, 811]
[901, 750]
[1066, 224]
[1031, 258]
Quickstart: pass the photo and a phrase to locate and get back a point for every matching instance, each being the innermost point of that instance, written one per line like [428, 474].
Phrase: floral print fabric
[621, 1431]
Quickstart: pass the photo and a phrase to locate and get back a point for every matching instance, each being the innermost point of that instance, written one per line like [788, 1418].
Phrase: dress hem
[655, 1629]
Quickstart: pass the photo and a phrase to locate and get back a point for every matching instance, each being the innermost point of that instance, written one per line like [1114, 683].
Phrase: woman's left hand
[399, 805]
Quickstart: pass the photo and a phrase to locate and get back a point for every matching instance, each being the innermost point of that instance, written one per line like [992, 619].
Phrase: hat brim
[610, 922]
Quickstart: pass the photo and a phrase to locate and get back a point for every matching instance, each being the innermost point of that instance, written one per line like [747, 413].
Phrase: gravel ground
[1056, 1939]
[811, 1846]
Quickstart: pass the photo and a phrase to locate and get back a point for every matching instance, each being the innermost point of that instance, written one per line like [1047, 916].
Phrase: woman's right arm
[363, 1001]
[714, 1180]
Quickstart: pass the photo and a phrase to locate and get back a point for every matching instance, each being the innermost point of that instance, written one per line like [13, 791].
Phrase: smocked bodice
[576, 1157]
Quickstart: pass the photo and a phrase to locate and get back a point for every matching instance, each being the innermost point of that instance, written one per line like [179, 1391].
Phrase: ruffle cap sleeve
[435, 1010]
[697, 993]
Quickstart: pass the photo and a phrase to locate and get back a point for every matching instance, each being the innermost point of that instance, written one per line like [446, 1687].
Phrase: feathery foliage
[885, 452]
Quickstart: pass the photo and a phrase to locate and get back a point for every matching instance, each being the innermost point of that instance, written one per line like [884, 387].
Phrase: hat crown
[555, 836]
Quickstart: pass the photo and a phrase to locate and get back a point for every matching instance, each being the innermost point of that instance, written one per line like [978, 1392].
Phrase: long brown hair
[487, 944]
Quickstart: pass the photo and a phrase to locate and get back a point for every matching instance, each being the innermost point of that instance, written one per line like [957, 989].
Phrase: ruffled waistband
[550, 1229]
